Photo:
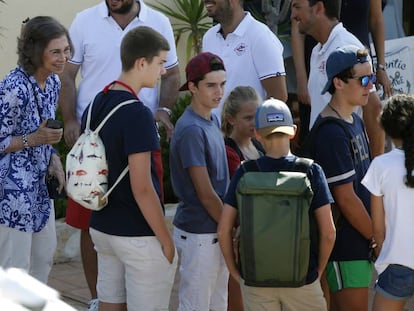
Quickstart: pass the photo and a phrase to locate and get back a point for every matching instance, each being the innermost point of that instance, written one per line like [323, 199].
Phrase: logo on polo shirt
[240, 49]
[322, 66]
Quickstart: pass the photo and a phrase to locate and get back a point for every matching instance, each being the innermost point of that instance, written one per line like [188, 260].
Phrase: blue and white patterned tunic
[24, 199]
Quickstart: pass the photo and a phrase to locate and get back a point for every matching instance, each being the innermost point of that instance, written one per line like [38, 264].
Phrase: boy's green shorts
[348, 274]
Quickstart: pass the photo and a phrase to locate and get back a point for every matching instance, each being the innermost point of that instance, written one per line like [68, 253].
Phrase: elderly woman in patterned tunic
[28, 97]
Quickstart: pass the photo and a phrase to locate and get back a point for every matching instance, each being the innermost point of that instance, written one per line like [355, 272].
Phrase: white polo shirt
[250, 54]
[97, 37]
[338, 37]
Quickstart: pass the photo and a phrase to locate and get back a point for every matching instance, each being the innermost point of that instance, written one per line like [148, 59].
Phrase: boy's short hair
[341, 61]
[274, 116]
[141, 42]
[199, 66]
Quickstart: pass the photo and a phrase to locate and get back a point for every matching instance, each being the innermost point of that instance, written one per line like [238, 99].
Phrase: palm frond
[187, 17]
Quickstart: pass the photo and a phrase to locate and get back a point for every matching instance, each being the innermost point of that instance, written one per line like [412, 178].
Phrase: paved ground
[68, 279]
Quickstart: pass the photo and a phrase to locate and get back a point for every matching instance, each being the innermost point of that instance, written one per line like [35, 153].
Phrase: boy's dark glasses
[365, 79]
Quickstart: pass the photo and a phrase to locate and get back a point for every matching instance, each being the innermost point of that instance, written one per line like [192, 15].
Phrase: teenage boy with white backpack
[136, 253]
[274, 130]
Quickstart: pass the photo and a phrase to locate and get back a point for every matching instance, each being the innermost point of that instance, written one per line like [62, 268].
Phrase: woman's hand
[44, 135]
[72, 132]
[56, 169]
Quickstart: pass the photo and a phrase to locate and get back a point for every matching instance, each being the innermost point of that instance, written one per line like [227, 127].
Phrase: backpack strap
[299, 165]
[127, 102]
[124, 172]
[302, 165]
[88, 118]
[250, 166]
[98, 128]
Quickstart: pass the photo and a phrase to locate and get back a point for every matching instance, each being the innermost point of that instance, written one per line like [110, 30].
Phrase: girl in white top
[390, 179]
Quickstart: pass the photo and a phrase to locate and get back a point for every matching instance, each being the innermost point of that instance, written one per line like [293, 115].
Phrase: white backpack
[87, 168]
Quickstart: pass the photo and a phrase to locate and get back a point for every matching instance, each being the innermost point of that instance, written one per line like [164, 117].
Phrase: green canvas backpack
[274, 246]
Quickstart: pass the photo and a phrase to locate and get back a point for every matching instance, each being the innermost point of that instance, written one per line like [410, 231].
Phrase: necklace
[336, 111]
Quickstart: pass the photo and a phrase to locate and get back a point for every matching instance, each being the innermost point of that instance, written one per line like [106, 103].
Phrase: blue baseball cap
[274, 116]
[341, 59]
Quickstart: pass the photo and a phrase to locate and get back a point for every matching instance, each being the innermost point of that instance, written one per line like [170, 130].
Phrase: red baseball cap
[200, 65]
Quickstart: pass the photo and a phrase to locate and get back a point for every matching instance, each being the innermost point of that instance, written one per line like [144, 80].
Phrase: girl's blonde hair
[232, 105]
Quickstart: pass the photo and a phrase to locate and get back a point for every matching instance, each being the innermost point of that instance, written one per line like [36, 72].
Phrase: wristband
[381, 66]
[167, 110]
[25, 141]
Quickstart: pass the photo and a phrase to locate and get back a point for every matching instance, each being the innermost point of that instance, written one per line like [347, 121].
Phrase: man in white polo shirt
[97, 33]
[320, 20]
[252, 54]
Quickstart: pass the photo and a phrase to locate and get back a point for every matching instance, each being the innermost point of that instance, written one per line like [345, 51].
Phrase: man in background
[251, 52]
[320, 20]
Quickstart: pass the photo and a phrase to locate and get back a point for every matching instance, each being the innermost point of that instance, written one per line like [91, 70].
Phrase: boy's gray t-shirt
[196, 142]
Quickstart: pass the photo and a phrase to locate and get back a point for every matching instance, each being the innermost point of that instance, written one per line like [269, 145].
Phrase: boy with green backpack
[277, 199]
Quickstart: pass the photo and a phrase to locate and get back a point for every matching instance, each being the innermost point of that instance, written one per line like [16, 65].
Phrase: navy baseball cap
[341, 59]
[274, 116]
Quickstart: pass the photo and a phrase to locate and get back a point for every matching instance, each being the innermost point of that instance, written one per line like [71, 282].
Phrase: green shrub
[179, 107]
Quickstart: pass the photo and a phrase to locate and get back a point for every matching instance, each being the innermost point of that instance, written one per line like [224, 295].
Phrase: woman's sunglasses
[364, 80]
